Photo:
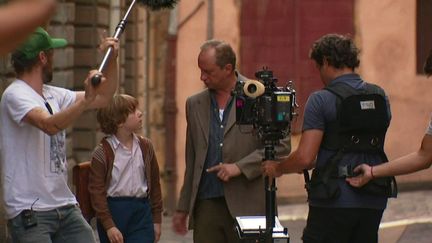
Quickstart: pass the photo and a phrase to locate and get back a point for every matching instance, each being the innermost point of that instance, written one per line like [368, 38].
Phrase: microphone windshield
[158, 4]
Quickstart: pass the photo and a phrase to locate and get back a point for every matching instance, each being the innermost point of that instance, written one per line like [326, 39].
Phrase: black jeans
[342, 225]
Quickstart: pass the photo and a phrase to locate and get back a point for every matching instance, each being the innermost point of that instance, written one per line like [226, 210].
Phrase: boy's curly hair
[338, 50]
[116, 112]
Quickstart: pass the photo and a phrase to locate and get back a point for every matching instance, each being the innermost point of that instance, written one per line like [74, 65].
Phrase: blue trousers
[132, 216]
[61, 225]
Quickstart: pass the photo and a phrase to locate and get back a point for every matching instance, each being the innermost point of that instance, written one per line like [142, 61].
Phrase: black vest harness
[360, 126]
[362, 119]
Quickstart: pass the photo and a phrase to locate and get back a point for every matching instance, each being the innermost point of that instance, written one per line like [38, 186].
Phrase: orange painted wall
[385, 33]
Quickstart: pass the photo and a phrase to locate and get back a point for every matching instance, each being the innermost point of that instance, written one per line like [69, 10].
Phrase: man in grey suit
[223, 176]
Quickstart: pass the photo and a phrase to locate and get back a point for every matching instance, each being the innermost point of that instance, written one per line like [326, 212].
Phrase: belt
[67, 206]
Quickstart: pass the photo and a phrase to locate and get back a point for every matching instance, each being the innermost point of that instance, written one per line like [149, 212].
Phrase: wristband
[372, 172]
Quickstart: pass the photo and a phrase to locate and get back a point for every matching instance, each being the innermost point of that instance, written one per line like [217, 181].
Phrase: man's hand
[114, 235]
[107, 42]
[364, 177]
[225, 171]
[271, 169]
[179, 222]
[157, 232]
[90, 90]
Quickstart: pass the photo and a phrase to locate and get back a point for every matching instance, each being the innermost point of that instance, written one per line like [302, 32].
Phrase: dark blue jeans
[132, 216]
[61, 225]
[342, 225]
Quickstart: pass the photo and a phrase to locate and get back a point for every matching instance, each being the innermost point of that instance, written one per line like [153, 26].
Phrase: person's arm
[419, 160]
[106, 89]
[91, 98]
[98, 189]
[155, 187]
[114, 235]
[20, 18]
[410, 163]
[157, 231]
[250, 165]
[52, 124]
[302, 158]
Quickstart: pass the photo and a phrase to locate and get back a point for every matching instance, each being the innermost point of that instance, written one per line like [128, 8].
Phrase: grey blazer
[244, 194]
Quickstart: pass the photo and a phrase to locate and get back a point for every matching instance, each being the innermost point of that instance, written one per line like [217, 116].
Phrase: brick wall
[141, 67]
[78, 22]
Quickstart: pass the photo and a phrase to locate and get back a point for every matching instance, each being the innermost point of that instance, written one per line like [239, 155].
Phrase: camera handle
[270, 194]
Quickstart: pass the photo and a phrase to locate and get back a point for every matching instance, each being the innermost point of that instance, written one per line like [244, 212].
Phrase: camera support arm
[270, 190]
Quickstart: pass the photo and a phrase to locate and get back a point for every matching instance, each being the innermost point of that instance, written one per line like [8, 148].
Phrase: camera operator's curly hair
[116, 112]
[338, 50]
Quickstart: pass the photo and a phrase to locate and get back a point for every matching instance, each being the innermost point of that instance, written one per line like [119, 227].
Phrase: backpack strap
[342, 90]
[331, 138]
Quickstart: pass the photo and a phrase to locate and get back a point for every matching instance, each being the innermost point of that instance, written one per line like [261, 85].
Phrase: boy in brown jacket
[124, 182]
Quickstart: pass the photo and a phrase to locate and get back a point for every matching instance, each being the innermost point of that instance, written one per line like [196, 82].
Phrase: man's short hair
[224, 52]
[338, 50]
[116, 112]
[21, 64]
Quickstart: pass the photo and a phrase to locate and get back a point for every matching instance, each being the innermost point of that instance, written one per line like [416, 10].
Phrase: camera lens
[252, 88]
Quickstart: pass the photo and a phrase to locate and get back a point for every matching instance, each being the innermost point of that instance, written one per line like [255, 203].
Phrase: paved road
[407, 219]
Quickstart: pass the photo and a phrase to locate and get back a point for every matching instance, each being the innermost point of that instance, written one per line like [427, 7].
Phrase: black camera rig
[270, 110]
[267, 107]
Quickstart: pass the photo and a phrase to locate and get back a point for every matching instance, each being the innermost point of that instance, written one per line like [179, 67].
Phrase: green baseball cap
[39, 41]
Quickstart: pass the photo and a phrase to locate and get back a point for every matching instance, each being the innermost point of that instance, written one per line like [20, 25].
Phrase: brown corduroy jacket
[100, 177]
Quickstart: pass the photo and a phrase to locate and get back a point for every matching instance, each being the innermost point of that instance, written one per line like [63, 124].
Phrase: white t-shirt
[33, 163]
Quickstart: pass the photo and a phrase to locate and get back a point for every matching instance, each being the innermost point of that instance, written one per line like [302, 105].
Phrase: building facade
[158, 64]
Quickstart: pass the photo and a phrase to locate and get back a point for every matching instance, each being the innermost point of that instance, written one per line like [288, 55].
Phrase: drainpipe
[170, 110]
[210, 19]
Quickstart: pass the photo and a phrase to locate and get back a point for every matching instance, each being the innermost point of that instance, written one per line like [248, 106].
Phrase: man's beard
[47, 75]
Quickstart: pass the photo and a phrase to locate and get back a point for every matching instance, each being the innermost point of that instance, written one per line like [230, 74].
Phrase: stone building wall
[142, 63]
[80, 22]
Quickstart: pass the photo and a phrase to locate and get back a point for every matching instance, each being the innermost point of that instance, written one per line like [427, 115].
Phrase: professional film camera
[269, 109]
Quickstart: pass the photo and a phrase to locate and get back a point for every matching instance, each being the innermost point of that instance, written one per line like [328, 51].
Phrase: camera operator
[40, 207]
[419, 160]
[223, 175]
[345, 215]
